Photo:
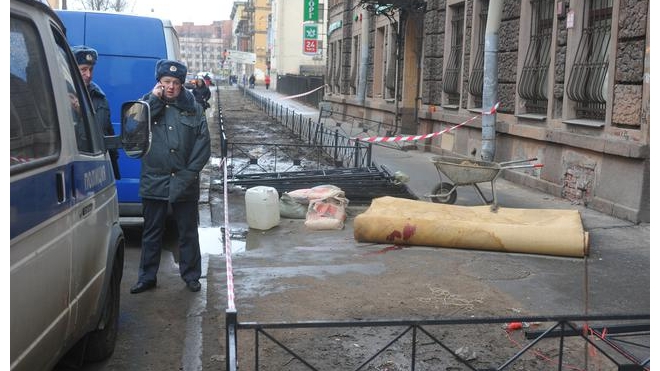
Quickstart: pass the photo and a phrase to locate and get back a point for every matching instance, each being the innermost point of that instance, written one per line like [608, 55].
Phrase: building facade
[572, 80]
[251, 21]
[202, 46]
[286, 41]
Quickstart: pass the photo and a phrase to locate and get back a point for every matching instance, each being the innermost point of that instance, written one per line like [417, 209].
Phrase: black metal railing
[438, 332]
[339, 146]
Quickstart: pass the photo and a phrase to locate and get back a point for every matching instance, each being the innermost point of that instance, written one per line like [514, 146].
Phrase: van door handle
[61, 186]
[86, 210]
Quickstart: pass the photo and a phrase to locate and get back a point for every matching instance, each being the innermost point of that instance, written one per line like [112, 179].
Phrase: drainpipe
[364, 59]
[397, 72]
[490, 79]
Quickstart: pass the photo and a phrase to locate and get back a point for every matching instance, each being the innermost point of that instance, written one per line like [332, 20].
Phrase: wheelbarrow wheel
[444, 189]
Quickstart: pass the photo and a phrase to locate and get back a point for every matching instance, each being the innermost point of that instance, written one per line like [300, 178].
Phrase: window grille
[587, 81]
[450, 83]
[476, 81]
[533, 85]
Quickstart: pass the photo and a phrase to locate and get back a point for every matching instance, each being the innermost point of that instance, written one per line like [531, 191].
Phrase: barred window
[451, 79]
[533, 85]
[476, 81]
[587, 81]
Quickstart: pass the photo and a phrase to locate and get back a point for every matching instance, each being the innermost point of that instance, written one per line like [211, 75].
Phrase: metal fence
[332, 140]
[406, 338]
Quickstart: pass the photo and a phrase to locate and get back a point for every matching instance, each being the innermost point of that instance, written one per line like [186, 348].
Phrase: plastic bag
[292, 209]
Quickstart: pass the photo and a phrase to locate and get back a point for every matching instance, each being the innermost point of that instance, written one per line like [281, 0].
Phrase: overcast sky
[202, 12]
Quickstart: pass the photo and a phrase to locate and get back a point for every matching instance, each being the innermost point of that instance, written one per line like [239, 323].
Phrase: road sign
[310, 46]
[241, 57]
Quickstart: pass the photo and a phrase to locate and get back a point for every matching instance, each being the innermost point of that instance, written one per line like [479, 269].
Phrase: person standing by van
[267, 81]
[180, 149]
[86, 58]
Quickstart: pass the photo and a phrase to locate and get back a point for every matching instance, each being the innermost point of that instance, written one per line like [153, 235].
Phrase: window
[379, 62]
[88, 134]
[533, 78]
[390, 77]
[337, 77]
[476, 80]
[34, 133]
[451, 79]
[587, 83]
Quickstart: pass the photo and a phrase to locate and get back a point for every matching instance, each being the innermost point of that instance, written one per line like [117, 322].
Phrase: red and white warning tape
[400, 138]
[231, 305]
[303, 94]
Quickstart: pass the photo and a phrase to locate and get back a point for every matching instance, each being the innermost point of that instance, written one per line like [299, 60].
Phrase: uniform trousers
[186, 216]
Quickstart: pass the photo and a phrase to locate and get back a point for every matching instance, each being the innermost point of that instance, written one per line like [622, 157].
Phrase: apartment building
[202, 46]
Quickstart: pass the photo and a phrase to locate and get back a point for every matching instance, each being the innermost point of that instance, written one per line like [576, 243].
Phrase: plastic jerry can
[262, 207]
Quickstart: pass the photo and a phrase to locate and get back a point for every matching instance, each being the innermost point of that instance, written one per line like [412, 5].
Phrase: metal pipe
[364, 58]
[490, 79]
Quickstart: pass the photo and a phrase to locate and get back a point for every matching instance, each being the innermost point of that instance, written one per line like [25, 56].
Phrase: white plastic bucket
[262, 206]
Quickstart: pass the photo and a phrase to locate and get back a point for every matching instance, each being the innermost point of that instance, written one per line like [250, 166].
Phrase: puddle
[211, 240]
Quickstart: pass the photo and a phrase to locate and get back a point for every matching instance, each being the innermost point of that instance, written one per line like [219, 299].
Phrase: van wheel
[101, 342]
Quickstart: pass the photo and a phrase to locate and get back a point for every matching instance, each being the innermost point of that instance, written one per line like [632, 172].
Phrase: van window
[88, 137]
[34, 133]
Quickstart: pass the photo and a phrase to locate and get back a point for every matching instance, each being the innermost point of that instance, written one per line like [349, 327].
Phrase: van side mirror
[135, 128]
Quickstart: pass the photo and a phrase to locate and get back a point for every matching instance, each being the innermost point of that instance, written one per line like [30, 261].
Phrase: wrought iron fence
[332, 140]
[480, 355]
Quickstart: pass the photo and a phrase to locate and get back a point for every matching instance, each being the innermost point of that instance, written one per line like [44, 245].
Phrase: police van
[124, 71]
[66, 245]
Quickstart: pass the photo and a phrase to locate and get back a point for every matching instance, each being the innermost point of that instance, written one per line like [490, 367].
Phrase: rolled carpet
[411, 222]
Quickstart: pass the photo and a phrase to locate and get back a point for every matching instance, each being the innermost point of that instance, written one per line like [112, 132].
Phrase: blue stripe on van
[35, 199]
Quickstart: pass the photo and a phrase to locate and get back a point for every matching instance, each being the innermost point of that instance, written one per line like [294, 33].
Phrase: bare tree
[116, 5]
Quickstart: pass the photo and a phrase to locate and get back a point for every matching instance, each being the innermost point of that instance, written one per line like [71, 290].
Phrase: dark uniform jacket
[180, 148]
[102, 109]
[202, 95]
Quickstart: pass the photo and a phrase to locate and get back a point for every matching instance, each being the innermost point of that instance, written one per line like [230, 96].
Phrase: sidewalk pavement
[619, 252]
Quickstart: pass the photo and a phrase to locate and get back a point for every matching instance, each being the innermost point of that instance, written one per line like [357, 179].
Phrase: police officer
[180, 148]
[86, 58]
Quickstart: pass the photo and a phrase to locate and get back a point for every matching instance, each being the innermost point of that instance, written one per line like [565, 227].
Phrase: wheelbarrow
[465, 172]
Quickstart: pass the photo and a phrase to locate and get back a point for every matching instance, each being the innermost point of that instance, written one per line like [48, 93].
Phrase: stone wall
[629, 70]
[434, 44]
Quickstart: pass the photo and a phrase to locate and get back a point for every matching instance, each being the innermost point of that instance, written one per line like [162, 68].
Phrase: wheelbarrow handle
[523, 166]
[517, 161]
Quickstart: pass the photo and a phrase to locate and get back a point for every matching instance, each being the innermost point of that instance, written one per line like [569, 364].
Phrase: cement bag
[410, 222]
[327, 213]
[291, 208]
[321, 192]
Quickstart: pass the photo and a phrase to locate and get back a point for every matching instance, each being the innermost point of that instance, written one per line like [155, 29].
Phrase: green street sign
[311, 11]
[311, 31]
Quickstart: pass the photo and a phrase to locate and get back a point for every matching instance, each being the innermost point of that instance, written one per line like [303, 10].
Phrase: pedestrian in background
[86, 58]
[180, 148]
[267, 81]
[202, 93]
[252, 81]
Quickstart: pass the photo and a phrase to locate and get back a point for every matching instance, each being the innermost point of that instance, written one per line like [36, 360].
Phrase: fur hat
[85, 54]
[166, 67]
